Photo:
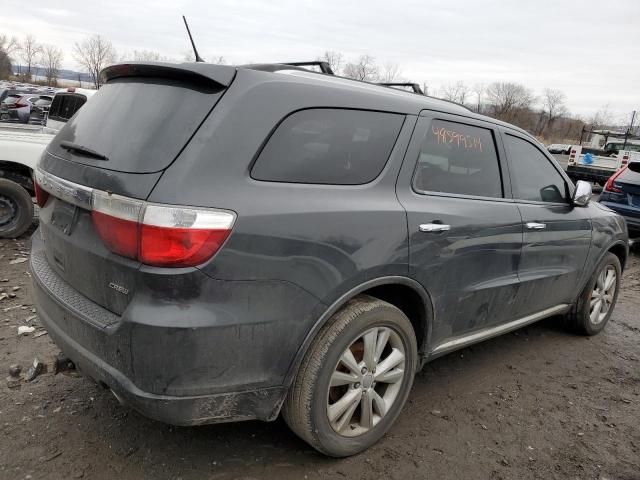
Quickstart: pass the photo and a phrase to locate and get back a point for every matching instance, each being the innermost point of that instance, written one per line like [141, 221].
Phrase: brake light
[160, 235]
[41, 195]
[609, 185]
[116, 220]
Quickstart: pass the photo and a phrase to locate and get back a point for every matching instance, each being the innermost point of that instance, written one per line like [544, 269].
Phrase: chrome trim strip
[498, 330]
[70, 192]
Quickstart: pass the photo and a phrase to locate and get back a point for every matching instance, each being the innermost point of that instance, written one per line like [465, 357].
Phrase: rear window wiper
[80, 150]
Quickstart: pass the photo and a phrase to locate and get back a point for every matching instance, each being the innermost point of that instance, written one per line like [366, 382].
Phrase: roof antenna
[195, 50]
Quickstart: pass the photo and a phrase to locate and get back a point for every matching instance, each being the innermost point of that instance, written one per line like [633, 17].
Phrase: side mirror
[582, 194]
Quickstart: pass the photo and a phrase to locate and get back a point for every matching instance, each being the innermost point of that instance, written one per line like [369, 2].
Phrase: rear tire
[16, 209]
[595, 305]
[369, 335]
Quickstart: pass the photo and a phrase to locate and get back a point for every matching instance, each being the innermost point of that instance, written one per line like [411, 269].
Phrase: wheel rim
[366, 381]
[603, 294]
[8, 209]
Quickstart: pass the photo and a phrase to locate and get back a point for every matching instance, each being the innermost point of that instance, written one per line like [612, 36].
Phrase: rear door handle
[536, 226]
[434, 227]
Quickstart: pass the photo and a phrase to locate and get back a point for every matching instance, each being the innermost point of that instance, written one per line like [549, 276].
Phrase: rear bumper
[121, 354]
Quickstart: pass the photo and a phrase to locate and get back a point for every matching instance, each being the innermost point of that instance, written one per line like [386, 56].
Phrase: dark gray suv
[262, 239]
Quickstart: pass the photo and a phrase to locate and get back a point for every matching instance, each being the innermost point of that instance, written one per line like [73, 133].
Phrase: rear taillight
[160, 235]
[625, 159]
[609, 185]
[572, 156]
[41, 195]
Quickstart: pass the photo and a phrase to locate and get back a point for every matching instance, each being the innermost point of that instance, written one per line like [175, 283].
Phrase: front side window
[533, 177]
[459, 159]
[329, 146]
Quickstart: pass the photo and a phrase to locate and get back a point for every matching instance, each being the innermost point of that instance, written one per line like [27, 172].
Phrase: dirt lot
[538, 403]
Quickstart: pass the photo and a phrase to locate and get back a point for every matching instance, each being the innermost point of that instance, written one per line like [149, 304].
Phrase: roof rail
[414, 86]
[323, 66]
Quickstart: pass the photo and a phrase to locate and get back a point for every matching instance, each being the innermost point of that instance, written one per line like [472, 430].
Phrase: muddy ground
[537, 403]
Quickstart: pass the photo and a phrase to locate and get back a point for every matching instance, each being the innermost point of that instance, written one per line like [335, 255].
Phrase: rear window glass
[459, 159]
[11, 99]
[139, 124]
[631, 176]
[64, 106]
[329, 146]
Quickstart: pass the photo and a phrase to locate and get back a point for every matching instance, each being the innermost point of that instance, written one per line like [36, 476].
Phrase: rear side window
[533, 176]
[460, 159]
[329, 146]
[65, 105]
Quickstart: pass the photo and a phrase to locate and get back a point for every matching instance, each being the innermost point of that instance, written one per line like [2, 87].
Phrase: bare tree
[507, 99]
[6, 69]
[364, 69]
[334, 59]
[144, 56]
[51, 60]
[479, 89]
[390, 73]
[457, 92]
[8, 45]
[602, 118]
[93, 54]
[29, 52]
[553, 107]
[188, 56]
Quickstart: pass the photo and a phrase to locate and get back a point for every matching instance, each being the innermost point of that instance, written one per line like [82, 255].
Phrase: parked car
[16, 107]
[288, 240]
[559, 148]
[40, 109]
[621, 194]
[20, 148]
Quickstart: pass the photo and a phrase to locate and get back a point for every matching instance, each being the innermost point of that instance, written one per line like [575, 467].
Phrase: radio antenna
[195, 50]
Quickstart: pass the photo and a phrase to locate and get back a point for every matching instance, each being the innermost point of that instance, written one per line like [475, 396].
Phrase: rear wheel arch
[404, 293]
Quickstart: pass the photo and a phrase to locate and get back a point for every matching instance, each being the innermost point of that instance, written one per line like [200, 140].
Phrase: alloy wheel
[366, 381]
[603, 294]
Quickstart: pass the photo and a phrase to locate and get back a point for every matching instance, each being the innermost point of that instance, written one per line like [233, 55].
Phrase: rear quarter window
[328, 146]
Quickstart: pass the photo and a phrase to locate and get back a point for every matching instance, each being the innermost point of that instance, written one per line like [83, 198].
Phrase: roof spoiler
[413, 86]
[204, 74]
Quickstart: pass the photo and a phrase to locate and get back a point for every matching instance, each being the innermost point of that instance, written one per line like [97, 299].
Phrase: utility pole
[628, 132]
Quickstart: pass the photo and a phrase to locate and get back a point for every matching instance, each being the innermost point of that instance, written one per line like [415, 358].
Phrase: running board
[475, 337]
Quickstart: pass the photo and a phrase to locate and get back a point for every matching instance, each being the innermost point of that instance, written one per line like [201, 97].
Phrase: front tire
[16, 209]
[355, 378]
[595, 305]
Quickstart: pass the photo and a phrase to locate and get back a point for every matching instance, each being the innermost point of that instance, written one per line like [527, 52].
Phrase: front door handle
[434, 227]
[536, 226]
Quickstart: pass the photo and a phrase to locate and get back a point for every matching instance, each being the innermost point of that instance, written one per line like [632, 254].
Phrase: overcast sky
[589, 49]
